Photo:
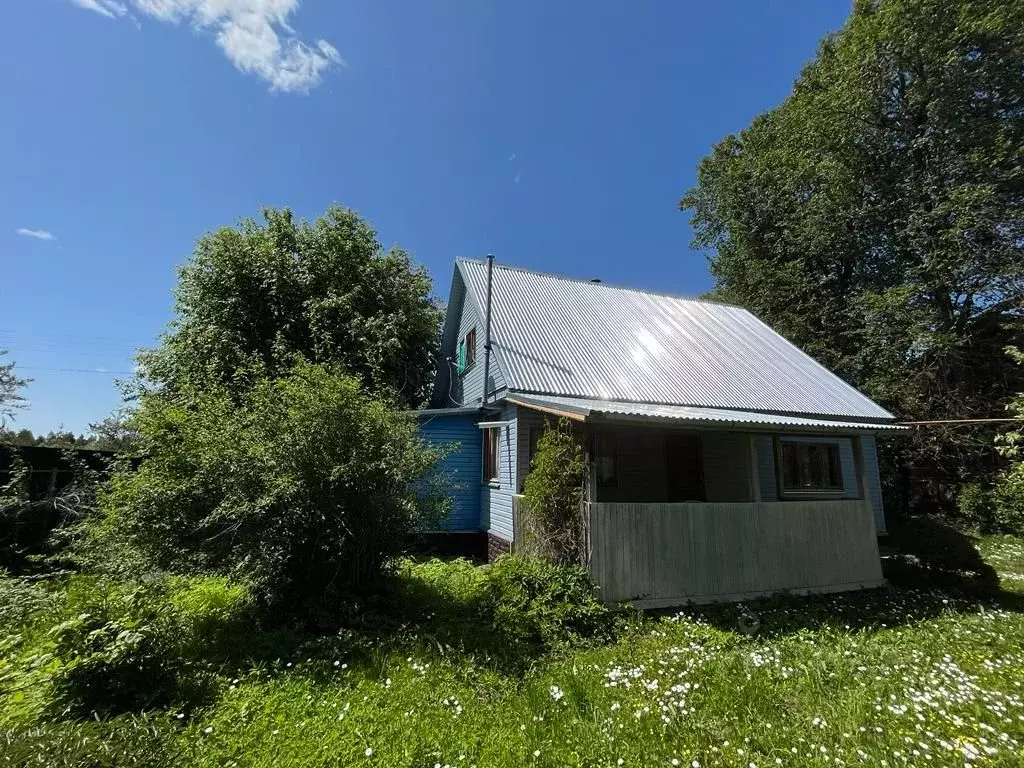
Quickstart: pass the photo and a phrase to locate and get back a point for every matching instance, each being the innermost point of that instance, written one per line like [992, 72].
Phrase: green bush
[976, 507]
[535, 602]
[117, 656]
[20, 600]
[998, 508]
[303, 486]
[95, 646]
[553, 496]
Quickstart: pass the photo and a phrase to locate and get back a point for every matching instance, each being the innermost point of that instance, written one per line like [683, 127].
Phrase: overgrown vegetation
[43, 515]
[301, 486]
[553, 495]
[999, 506]
[421, 677]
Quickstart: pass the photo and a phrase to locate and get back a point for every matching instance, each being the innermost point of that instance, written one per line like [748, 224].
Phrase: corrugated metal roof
[557, 336]
[585, 407]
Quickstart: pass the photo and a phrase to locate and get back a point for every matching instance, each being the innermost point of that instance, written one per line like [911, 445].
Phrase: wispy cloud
[38, 234]
[109, 8]
[253, 34]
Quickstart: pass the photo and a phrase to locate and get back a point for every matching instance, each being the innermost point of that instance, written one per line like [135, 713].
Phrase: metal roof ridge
[602, 284]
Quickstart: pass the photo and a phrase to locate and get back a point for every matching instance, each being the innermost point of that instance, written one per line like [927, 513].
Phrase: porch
[676, 514]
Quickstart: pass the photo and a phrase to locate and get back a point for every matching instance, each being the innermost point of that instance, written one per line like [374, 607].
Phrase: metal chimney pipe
[487, 326]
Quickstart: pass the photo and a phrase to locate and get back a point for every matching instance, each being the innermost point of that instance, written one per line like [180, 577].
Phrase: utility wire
[955, 421]
[73, 370]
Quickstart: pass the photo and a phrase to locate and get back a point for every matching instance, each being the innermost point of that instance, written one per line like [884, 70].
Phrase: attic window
[471, 347]
[467, 351]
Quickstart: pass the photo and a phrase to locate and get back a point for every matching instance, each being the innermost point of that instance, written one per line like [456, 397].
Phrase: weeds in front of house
[892, 677]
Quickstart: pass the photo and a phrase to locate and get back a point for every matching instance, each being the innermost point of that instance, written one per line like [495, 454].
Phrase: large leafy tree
[256, 298]
[876, 217]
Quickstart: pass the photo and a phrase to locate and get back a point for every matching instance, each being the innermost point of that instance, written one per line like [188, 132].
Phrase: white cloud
[254, 35]
[38, 234]
[109, 8]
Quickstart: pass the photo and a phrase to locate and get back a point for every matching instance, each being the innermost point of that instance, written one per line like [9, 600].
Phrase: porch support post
[754, 472]
[590, 455]
[858, 461]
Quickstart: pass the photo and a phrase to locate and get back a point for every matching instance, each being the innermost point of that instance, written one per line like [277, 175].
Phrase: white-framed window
[492, 455]
[808, 467]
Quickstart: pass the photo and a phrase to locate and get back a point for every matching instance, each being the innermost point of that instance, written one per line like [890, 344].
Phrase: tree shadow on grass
[932, 569]
[448, 617]
[925, 552]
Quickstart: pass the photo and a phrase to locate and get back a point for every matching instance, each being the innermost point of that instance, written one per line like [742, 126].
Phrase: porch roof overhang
[610, 411]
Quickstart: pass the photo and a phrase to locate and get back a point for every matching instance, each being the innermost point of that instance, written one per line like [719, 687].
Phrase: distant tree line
[110, 434]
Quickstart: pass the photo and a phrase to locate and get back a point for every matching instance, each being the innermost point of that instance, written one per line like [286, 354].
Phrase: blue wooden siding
[461, 469]
[766, 468]
[869, 451]
[452, 388]
[526, 421]
[470, 384]
[498, 501]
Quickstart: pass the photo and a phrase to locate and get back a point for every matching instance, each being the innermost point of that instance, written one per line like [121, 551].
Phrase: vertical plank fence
[669, 554]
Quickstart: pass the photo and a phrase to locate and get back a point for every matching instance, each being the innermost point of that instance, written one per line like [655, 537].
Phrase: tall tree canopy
[876, 217]
[256, 298]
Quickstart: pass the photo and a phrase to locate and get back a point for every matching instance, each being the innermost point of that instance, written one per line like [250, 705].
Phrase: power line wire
[74, 370]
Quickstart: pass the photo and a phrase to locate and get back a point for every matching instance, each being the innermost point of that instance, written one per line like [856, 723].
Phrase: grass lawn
[892, 677]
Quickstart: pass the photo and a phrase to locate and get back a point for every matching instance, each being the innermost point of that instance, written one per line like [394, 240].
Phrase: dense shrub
[20, 600]
[975, 505]
[303, 486]
[553, 496]
[89, 645]
[998, 507]
[535, 602]
[117, 655]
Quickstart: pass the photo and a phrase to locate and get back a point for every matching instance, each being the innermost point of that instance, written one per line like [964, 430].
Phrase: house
[724, 463]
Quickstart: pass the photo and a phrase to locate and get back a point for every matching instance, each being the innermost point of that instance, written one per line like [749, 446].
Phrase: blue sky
[557, 135]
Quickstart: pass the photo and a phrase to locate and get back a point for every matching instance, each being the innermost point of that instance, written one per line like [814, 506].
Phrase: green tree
[303, 485]
[255, 298]
[876, 217]
[10, 386]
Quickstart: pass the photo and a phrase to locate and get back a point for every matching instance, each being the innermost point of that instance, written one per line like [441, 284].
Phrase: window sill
[492, 484]
[467, 369]
[811, 495]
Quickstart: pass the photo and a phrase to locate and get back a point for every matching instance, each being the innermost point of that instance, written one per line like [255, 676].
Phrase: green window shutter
[462, 356]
